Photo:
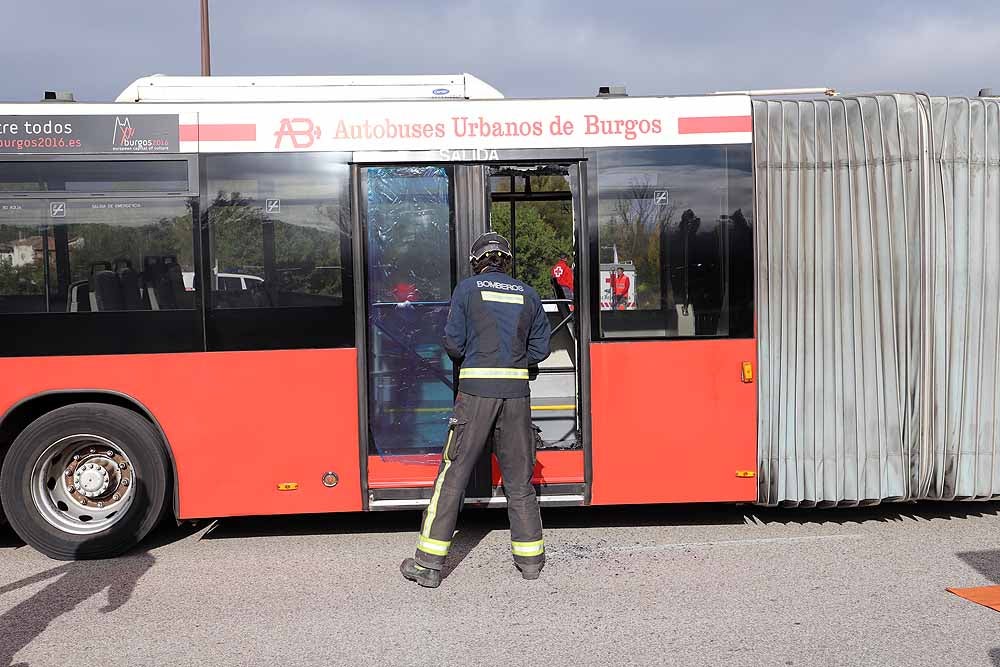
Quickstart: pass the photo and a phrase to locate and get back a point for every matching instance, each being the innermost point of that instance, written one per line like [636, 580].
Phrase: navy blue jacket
[496, 329]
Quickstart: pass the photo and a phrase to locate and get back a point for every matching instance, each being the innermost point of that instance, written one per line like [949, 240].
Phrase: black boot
[529, 572]
[424, 576]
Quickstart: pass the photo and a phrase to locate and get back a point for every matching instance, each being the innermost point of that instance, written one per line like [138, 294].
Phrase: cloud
[524, 47]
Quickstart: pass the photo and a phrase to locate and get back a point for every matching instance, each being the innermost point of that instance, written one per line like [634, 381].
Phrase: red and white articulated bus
[225, 296]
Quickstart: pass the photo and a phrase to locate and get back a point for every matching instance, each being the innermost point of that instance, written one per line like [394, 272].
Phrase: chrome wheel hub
[82, 484]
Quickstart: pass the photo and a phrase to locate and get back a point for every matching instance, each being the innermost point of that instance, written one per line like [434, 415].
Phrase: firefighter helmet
[490, 242]
[490, 251]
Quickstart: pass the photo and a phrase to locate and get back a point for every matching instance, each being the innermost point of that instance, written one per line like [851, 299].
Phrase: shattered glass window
[410, 268]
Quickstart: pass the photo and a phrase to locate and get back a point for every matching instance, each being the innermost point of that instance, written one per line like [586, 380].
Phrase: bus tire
[88, 480]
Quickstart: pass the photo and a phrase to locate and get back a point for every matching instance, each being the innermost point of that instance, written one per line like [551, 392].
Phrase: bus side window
[83, 255]
[675, 242]
[279, 231]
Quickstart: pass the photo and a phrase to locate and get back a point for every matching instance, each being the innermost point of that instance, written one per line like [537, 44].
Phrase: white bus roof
[160, 88]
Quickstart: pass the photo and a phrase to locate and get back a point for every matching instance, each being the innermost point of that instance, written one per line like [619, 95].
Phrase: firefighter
[496, 329]
[619, 290]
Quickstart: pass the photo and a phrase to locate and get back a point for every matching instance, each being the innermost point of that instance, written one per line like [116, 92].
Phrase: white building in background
[20, 252]
[23, 252]
[27, 251]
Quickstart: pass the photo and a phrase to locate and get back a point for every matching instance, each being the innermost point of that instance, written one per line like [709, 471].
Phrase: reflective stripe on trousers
[494, 373]
[476, 418]
[426, 543]
[536, 548]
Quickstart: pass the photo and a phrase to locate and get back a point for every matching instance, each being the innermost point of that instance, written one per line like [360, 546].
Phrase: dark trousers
[475, 418]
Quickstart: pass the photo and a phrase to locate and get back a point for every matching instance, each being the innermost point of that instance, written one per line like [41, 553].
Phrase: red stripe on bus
[220, 132]
[714, 124]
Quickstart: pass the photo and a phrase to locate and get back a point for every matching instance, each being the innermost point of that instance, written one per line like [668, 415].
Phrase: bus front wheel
[88, 480]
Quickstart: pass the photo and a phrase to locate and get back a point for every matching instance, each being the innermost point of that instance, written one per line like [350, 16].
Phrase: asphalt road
[643, 586]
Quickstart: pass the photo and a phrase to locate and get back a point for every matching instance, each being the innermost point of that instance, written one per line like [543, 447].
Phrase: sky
[525, 48]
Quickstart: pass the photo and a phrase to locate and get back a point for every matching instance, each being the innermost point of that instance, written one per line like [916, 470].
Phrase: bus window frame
[594, 272]
[191, 159]
[581, 173]
[190, 195]
[203, 245]
[484, 157]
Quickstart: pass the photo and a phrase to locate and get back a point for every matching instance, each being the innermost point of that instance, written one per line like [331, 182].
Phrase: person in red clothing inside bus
[404, 292]
[619, 289]
[562, 273]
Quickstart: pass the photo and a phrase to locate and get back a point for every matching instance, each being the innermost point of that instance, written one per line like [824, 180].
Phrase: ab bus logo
[302, 131]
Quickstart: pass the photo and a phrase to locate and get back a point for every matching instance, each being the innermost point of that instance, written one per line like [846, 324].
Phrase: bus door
[417, 223]
[538, 207]
[408, 239]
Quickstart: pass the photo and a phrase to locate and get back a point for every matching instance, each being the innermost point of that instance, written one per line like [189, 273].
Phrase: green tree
[306, 253]
[538, 243]
[21, 280]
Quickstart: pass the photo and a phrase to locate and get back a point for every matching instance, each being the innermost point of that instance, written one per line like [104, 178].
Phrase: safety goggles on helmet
[488, 243]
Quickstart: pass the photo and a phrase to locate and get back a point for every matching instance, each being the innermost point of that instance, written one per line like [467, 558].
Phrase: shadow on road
[987, 563]
[8, 538]
[69, 585]
[467, 539]
[995, 656]
[886, 512]
[475, 519]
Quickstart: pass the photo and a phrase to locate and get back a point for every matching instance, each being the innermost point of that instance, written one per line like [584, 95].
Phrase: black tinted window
[675, 242]
[92, 255]
[95, 176]
[97, 276]
[282, 224]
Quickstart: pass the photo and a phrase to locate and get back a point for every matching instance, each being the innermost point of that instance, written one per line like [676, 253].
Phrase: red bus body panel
[672, 422]
[552, 467]
[238, 423]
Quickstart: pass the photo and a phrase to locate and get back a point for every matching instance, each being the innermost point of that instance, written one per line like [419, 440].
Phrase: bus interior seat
[128, 281]
[105, 290]
[152, 269]
[79, 297]
[165, 295]
[261, 294]
[95, 268]
[163, 283]
[174, 283]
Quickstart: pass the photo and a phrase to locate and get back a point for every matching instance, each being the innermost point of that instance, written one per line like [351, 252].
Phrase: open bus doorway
[532, 205]
[417, 222]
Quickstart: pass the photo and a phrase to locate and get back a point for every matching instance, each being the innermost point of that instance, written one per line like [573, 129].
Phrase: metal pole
[206, 51]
